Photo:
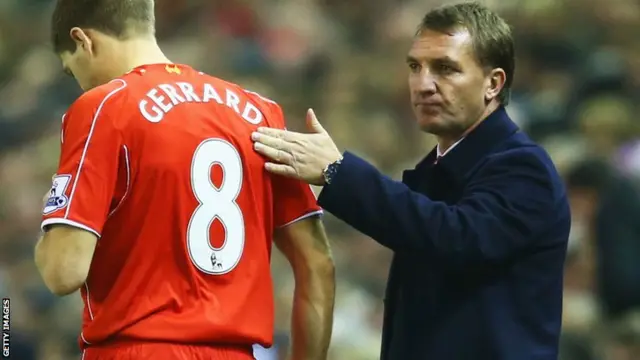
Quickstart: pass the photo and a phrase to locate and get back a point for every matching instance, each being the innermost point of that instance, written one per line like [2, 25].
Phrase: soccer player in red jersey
[161, 212]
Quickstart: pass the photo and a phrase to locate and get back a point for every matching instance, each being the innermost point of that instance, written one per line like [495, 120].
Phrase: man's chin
[431, 124]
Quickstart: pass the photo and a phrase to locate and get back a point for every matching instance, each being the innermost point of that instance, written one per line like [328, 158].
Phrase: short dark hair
[490, 34]
[119, 18]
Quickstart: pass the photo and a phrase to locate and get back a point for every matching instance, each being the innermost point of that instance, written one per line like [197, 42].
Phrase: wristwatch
[330, 171]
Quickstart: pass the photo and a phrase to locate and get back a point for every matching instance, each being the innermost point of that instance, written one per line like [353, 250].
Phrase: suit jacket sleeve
[510, 201]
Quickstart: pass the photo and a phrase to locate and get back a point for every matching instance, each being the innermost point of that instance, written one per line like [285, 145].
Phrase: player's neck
[142, 51]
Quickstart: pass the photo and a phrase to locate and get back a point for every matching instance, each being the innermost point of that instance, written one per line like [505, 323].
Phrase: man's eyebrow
[446, 60]
[411, 59]
[441, 60]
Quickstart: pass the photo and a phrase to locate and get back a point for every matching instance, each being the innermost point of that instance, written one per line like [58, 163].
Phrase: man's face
[448, 86]
[89, 64]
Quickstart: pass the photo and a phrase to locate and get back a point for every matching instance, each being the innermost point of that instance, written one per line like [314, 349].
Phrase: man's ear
[81, 38]
[496, 80]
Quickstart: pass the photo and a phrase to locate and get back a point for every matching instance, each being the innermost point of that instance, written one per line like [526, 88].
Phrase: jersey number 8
[216, 204]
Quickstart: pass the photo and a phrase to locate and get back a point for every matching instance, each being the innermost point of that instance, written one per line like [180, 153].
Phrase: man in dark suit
[479, 228]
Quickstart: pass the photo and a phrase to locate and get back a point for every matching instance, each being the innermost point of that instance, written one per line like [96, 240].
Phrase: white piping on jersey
[58, 220]
[86, 287]
[62, 129]
[307, 215]
[260, 96]
[86, 145]
[85, 341]
[126, 192]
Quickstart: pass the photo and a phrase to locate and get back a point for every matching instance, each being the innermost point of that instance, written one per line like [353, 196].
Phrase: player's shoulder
[97, 98]
[265, 104]
[251, 95]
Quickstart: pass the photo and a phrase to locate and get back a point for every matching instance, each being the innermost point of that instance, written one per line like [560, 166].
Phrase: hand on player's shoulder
[299, 155]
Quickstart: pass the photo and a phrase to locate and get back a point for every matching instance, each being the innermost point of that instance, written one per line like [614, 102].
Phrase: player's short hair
[490, 34]
[119, 18]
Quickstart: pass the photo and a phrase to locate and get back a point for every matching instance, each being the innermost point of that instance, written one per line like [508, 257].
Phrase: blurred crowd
[576, 91]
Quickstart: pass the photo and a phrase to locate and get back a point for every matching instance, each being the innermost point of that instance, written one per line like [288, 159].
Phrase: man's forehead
[435, 44]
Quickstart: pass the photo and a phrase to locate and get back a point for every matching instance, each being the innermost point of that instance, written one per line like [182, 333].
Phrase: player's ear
[82, 40]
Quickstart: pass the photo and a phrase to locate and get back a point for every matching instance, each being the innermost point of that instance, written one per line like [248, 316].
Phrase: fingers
[313, 124]
[272, 147]
[281, 169]
[277, 133]
[280, 156]
[272, 141]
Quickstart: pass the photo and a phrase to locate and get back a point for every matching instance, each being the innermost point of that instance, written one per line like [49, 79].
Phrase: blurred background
[576, 91]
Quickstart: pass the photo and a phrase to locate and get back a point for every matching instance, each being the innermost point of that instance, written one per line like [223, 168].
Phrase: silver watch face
[328, 172]
[325, 174]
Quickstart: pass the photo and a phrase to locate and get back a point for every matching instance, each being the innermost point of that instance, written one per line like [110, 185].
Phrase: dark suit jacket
[479, 242]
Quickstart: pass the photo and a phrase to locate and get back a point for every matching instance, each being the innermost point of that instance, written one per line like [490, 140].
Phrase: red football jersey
[159, 164]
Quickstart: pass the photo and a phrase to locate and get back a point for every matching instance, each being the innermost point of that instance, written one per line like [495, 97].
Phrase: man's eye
[414, 67]
[446, 68]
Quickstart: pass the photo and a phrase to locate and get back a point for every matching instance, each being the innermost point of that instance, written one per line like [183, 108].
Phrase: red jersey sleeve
[84, 184]
[293, 199]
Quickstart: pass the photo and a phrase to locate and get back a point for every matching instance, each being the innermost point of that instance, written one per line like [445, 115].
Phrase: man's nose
[425, 82]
